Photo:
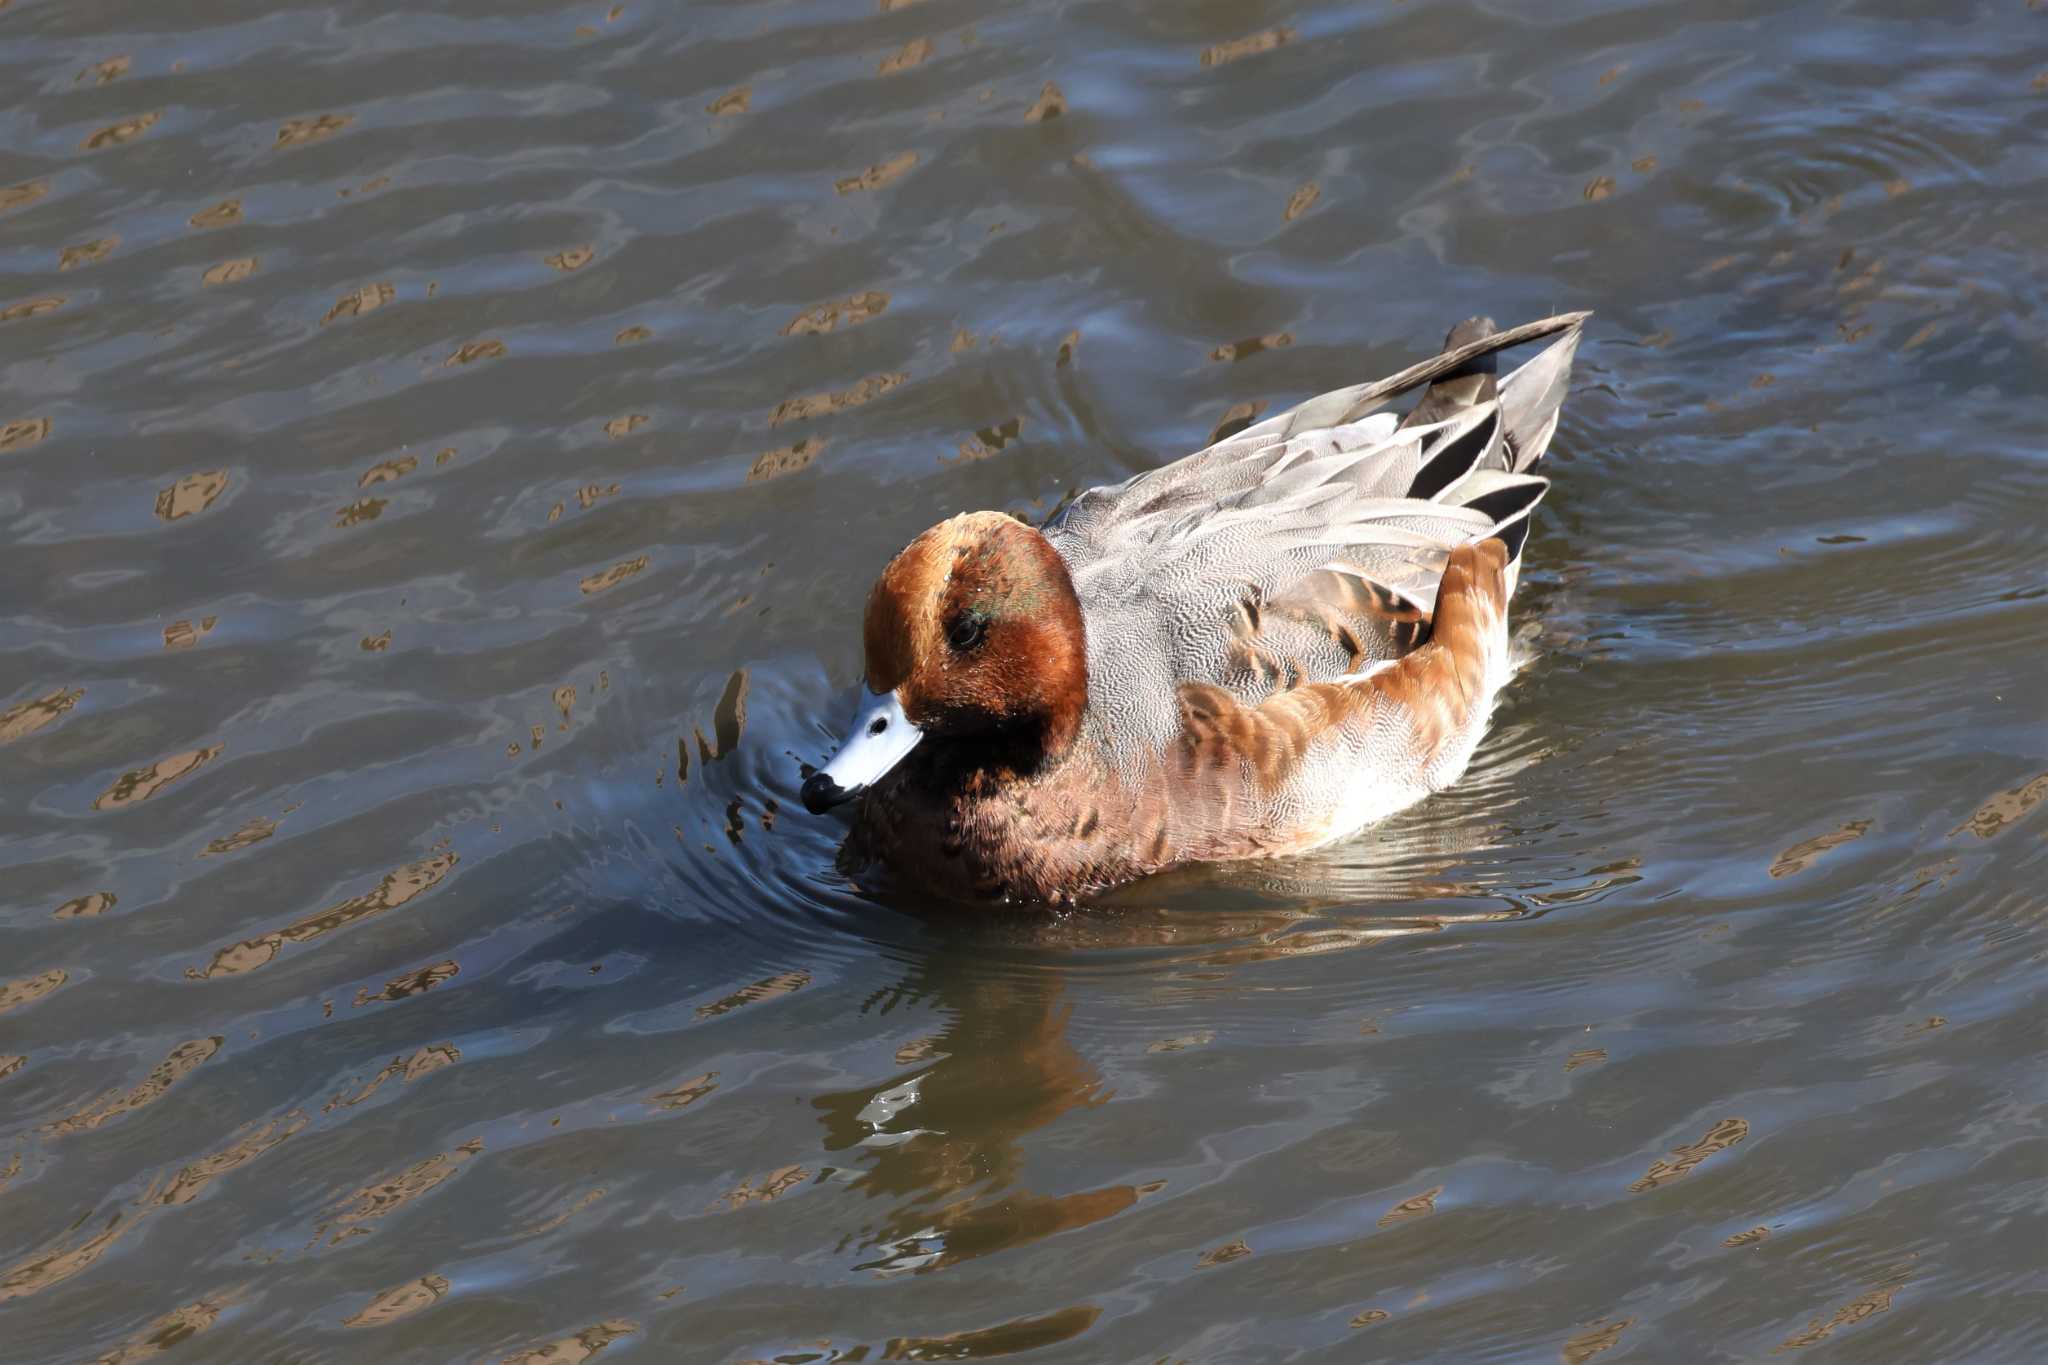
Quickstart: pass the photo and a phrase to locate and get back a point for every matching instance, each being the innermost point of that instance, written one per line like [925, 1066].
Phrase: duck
[1254, 651]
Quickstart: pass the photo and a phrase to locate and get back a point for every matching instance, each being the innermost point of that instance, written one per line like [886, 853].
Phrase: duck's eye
[966, 631]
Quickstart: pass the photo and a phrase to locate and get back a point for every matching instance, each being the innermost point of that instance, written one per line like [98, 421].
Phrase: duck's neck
[1023, 751]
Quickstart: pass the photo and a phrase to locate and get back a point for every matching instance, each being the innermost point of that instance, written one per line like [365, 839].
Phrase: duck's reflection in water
[942, 1145]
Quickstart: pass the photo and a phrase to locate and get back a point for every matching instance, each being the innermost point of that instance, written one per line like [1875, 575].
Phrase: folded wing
[1311, 545]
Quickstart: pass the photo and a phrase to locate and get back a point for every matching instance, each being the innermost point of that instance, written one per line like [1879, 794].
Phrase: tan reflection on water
[1807, 852]
[127, 130]
[31, 308]
[365, 300]
[425, 1062]
[620, 427]
[1995, 814]
[255, 831]
[783, 983]
[29, 989]
[470, 352]
[1237, 49]
[11, 1062]
[230, 272]
[172, 1329]
[1288, 940]
[182, 634]
[1301, 201]
[300, 131]
[358, 512]
[409, 983]
[374, 1201]
[1413, 1207]
[1601, 1336]
[1865, 1305]
[23, 433]
[86, 253]
[1009, 1338]
[612, 577]
[851, 310]
[549, 1224]
[191, 1181]
[818, 404]
[133, 788]
[770, 1186]
[731, 102]
[1050, 104]
[399, 1301]
[1680, 1163]
[20, 196]
[53, 1267]
[1251, 346]
[1235, 1250]
[572, 1350]
[987, 442]
[23, 719]
[184, 1059]
[220, 215]
[85, 907]
[396, 889]
[575, 258]
[783, 460]
[878, 175]
[68, 1258]
[389, 471]
[628, 335]
[191, 495]
[686, 1094]
[913, 53]
[1759, 1233]
[729, 716]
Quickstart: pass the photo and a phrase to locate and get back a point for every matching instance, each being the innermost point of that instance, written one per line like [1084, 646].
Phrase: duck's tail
[1484, 436]
[1470, 385]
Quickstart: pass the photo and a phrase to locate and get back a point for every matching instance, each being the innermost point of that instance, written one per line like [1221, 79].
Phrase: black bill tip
[820, 793]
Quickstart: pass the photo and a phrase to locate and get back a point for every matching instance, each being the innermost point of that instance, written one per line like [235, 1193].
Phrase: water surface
[445, 450]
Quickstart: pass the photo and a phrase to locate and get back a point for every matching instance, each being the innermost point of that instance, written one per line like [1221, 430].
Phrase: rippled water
[444, 453]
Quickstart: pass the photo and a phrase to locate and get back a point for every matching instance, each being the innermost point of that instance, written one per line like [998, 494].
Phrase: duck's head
[974, 642]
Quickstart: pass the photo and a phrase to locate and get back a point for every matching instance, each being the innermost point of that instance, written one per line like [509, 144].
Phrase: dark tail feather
[1456, 456]
[1514, 535]
[1509, 504]
[1475, 381]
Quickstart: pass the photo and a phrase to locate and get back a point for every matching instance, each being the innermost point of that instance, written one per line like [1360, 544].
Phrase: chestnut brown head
[973, 635]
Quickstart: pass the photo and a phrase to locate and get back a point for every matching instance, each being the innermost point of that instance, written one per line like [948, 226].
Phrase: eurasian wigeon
[1255, 650]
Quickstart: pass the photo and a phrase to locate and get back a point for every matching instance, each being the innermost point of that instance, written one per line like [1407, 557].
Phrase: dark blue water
[443, 454]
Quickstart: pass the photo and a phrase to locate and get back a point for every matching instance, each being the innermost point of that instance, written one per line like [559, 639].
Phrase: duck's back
[1310, 547]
